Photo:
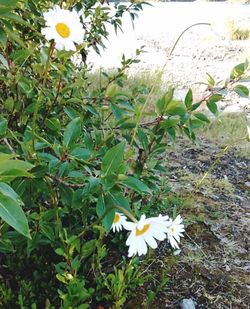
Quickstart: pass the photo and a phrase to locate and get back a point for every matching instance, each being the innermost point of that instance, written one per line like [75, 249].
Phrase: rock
[247, 184]
[187, 303]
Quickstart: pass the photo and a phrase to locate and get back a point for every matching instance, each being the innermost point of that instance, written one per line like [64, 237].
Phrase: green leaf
[189, 99]
[143, 139]
[119, 199]
[176, 108]
[16, 18]
[239, 70]
[21, 55]
[195, 106]
[162, 103]
[4, 61]
[11, 169]
[6, 246]
[11, 211]
[3, 126]
[9, 104]
[211, 103]
[195, 124]
[104, 205]
[111, 90]
[81, 153]
[172, 133]
[169, 123]
[88, 248]
[213, 108]
[242, 91]
[215, 98]
[72, 132]
[53, 124]
[136, 184]
[14, 37]
[7, 5]
[202, 117]
[113, 159]
[210, 80]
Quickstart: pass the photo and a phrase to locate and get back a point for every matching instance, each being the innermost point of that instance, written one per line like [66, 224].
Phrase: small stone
[247, 184]
[187, 303]
[238, 197]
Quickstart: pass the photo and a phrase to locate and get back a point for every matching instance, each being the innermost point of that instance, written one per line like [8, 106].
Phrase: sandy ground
[203, 49]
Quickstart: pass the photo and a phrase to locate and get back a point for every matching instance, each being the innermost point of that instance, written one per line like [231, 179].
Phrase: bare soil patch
[213, 267]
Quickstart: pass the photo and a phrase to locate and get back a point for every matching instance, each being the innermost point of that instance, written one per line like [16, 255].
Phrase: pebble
[247, 184]
[187, 303]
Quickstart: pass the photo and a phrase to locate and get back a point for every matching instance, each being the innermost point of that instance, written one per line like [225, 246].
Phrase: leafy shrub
[74, 157]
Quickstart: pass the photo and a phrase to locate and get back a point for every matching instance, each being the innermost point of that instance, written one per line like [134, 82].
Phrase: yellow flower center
[116, 218]
[63, 30]
[142, 231]
[172, 229]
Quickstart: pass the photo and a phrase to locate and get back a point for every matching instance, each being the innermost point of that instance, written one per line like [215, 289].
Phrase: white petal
[69, 45]
[59, 45]
[173, 243]
[144, 247]
[129, 225]
[131, 238]
[140, 246]
[151, 241]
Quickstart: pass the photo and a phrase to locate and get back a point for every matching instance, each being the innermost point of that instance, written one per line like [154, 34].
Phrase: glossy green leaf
[136, 184]
[105, 211]
[11, 169]
[210, 80]
[202, 117]
[3, 126]
[7, 5]
[53, 124]
[242, 91]
[162, 103]
[189, 99]
[143, 139]
[176, 108]
[88, 248]
[213, 108]
[239, 69]
[113, 159]
[11, 211]
[72, 132]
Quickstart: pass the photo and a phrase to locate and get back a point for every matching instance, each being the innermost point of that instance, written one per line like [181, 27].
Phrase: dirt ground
[213, 268]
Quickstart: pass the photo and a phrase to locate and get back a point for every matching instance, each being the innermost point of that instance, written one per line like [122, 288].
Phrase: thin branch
[63, 182]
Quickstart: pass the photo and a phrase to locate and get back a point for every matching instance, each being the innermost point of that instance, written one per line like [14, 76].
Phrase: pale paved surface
[203, 49]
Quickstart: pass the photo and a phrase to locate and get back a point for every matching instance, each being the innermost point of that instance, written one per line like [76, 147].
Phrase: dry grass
[236, 31]
[230, 129]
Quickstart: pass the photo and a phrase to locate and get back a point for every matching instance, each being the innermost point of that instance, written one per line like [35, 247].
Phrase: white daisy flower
[144, 232]
[64, 27]
[174, 231]
[118, 222]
